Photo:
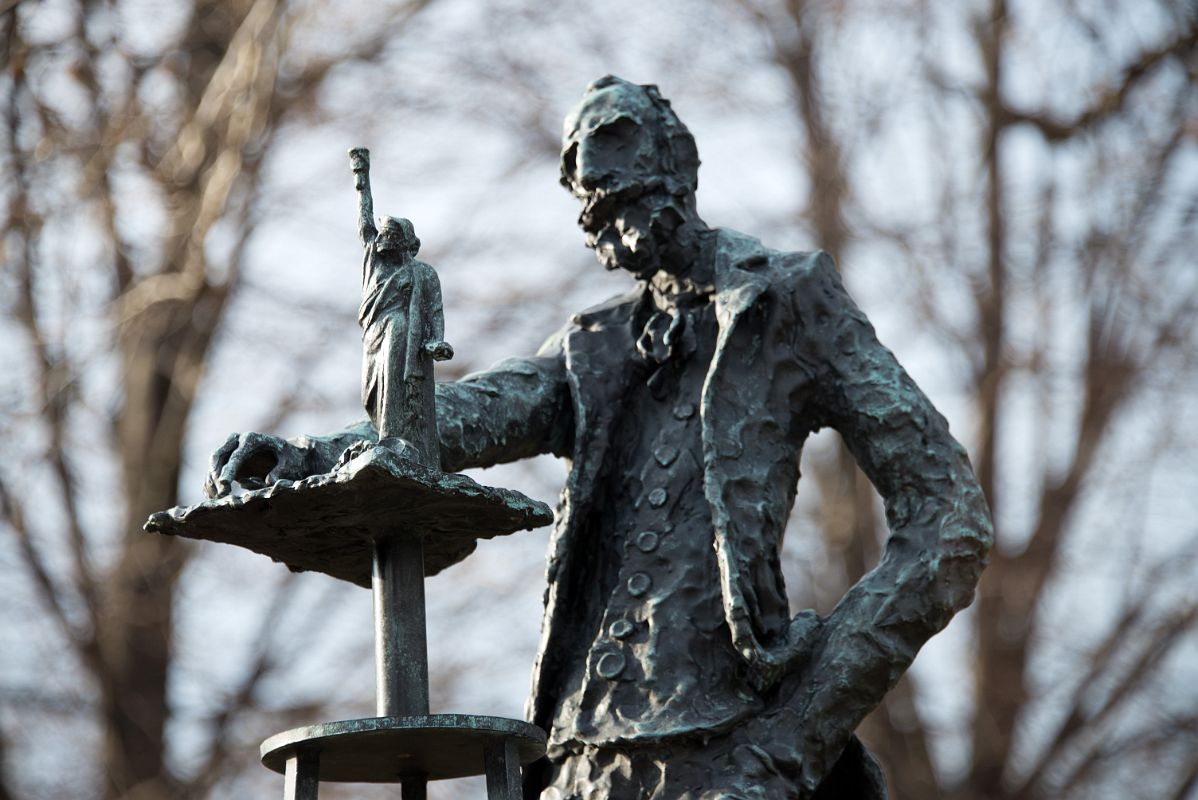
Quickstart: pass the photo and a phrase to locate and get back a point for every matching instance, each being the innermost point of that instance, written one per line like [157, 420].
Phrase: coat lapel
[750, 466]
[598, 350]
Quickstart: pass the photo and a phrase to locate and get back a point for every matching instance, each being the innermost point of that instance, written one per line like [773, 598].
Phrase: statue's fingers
[222, 453]
[213, 486]
[247, 448]
[282, 470]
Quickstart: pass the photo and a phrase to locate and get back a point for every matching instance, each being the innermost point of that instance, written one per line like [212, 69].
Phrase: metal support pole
[302, 777]
[413, 789]
[400, 647]
[502, 763]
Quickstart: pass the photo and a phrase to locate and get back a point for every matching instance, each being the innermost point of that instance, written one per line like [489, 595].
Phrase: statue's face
[599, 154]
[396, 237]
[608, 158]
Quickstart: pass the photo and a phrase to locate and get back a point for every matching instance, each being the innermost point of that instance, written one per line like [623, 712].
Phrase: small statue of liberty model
[403, 331]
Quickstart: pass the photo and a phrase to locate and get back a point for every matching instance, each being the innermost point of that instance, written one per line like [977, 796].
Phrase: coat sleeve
[519, 408]
[940, 528]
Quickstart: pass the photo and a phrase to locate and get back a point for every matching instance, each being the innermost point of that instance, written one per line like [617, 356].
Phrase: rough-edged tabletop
[327, 523]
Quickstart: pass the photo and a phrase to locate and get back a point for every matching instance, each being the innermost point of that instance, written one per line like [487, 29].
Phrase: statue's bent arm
[940, 529]
[436, 332]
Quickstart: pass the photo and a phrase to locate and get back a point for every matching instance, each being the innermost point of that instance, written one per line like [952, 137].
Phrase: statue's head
[624, 137]
[635, 167]
[396, 235]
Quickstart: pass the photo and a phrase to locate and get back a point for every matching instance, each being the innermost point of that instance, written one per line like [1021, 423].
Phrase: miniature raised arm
[359, 159]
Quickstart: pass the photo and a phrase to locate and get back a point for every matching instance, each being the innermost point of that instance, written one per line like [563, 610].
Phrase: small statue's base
[328, 523]
[394, 749]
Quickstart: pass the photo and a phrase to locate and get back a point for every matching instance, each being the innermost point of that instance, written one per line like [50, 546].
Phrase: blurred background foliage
[1010, 188]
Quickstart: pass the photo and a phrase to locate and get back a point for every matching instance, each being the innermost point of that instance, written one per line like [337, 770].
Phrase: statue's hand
[254, 460]
[761, 671]
[440, 351]
[353, 451]
[805, 628]
[765, 668]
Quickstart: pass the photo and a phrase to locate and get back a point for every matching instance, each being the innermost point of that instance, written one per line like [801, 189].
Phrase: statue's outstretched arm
[940, 527]
[519, 408]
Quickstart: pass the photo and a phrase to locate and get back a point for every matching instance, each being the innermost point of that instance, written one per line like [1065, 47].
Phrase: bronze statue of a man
[670, 665]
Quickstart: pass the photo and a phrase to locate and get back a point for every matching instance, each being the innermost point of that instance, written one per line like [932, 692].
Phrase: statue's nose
[592, 174]
[589, 179]
[591, 167]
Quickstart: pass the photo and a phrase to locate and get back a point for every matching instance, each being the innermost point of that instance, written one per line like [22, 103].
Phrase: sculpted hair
[676, 150]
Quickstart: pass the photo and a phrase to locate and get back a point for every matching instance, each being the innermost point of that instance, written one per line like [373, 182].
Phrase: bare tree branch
[1160, 642]
[1188, 782]
[242, 698]
[1112, 100]
[50, 591]
[1085, 716]
[6, 793]
[54, 384]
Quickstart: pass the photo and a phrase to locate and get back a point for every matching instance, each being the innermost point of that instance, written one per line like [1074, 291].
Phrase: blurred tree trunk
[199, 148]
[163, 345]
[999, 688]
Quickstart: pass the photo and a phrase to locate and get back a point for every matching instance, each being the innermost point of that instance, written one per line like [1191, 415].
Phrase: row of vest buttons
[612, 663]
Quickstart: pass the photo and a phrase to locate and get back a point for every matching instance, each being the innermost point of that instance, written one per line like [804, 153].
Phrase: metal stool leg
[413, 789]
[503, 771]
[302, 781]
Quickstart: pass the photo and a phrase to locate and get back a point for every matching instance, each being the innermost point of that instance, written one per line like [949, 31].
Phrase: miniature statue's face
[388, 245]
[396, 237]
